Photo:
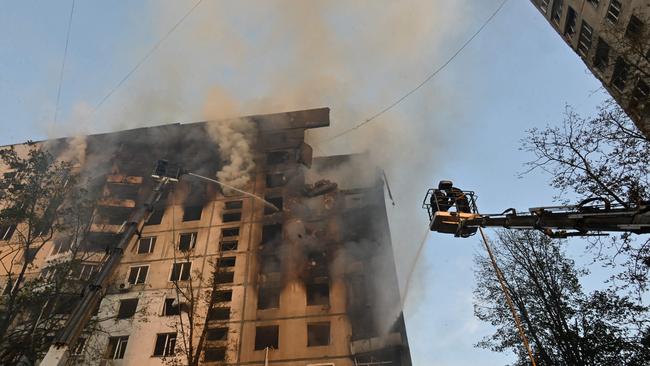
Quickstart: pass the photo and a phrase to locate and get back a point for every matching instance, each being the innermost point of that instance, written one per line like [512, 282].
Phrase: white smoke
[234, 138]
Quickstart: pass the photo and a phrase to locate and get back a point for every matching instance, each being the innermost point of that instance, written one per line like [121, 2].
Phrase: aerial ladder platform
[454, 211]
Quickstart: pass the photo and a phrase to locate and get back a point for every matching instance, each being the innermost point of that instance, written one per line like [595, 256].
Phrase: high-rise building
[215, 275]
[611, 37]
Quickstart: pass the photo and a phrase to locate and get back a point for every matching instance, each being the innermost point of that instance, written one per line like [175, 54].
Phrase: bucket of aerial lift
[450, 222]
[449, 208]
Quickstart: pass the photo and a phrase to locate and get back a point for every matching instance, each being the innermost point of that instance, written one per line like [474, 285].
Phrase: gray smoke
[234, 139]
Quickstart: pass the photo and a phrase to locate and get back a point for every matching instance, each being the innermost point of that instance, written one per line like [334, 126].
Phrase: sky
[252, 57]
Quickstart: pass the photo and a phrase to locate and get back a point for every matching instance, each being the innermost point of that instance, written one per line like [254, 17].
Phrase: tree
[600, 156]
[564, 325]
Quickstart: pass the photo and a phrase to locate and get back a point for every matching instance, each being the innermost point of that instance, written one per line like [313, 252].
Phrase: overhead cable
[65, 55]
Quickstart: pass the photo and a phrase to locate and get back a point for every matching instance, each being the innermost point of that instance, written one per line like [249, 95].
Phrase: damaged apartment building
[223, 277]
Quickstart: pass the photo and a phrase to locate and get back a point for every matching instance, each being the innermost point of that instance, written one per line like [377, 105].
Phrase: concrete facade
[313, 284]
[611, 37]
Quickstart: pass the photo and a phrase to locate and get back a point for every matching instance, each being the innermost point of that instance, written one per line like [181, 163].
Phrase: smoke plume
[234, 138]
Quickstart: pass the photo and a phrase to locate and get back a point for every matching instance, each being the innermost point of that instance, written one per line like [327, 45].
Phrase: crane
[454, 211]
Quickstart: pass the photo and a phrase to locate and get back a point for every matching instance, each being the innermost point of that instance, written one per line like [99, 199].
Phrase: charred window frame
[570, 23]
[180, 271]
[274, 180]
[116, 347]
[127, 308]
[217, 334]
[277, 157]
[277, 201]
[601, 58]
[318, 294]
[171, 307]
[268, 297]
[556, 11]
[228, 245]
[271, 234]
[6, 232]
[620, 74]
[222, 296]
[219, 313]
[192, 213]
[234, 205]
[187, 241]
[146, 245]
[138, 275]
[165, 345]
[584, 39]
[231, 217]
[226, 262]
[156, 216]
[613, 11]
[318, 334]
[224, 277]
[214, 354]
[267, 336]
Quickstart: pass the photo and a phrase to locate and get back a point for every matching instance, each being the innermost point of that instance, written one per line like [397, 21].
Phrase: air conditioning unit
[124, 286]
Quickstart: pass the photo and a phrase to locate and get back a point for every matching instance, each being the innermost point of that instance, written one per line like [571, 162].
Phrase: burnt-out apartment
[302, 275]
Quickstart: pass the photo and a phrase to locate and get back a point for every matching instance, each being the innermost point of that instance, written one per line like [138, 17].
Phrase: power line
[426, 80]
[146, 56]
[65, 55]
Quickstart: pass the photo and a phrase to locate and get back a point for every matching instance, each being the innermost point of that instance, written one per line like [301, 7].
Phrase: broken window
[112, 215]
[634, 28]
[556, 11]
[116, 347]
[318, 294]
[214, 354]
[187, 241]
[6, 232]
[276, 201]
[99, 241]
[275, 180]
[266, 336]
[180, 271]
[228, 245]
[620, 75]
[277, 157]
[570, 24]
[224, 277]
[268, 297]
[317, 263]
[584, 40]
[156, 216]
[226, 262]
[192, 213]
[219, 314]
[271, 234]
[613, 11]
[217, 334]
[231, 217]
[138, 274]
[127, 308]
[601, 58]
[222, 296]
[228, 232]
[318, 334]
[146, 245]
[171, 307]
[165, 345]
[234, 205]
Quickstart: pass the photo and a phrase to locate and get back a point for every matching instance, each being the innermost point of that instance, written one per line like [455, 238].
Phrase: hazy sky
[355, 57]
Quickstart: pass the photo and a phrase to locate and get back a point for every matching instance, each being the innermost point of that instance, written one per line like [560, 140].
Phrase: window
[641, 91]
[180, 271]
[127, 308]
[171, 307]
[275, 180]
[65, 304]
[276, 201]
[217, 334]
[556, 11]
[6, 232]
[138, 274]
[224, 277]
[222, 296]
[271, 233]
[156, 216]
[601, 58]
[192, 213]
[543, 5]
[584, 40]
[619, 77]
[219, 314]
[570, 24]
[214, 354]
[87, 271]
[613, 11]
[232, 231]
[226, 262]
[234, 205]
[187, 241]
[146, 245]
[231, 217]
[60, 246]
[266, 336]
[165, 345]
[116, 347]
[594, 3]
[277, 157]
[318, 334]
[8, 287]
[634, 28]
[228, 245]
[268, 298]
[78, 347]
[270, 263]
[318, 294]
